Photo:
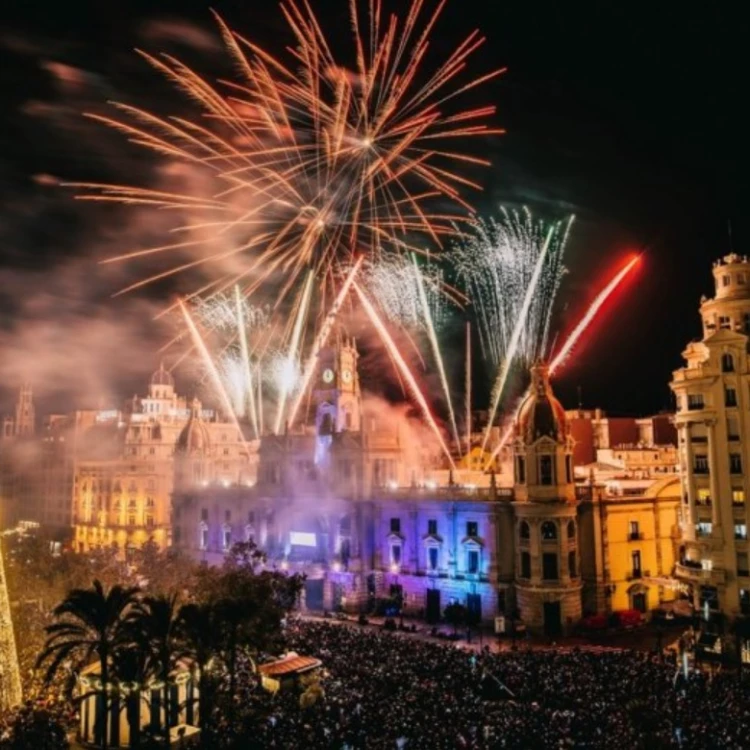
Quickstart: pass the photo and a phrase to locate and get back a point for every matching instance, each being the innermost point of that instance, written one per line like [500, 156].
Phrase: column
[714, 478]
[414, 542]
[689, 532]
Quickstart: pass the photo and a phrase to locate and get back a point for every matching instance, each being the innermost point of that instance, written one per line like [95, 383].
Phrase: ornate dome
[541, 414]
[194, 437]
[162, 377]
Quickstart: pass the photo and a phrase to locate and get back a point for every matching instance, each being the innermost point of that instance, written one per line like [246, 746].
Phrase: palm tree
[155, 623]
[131, 670]
[199, 628]
[90, 623]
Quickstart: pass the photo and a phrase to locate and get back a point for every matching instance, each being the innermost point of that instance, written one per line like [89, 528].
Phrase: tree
[198, 627]
[154, 623]
[132, 669]
[89, 623]
[31, 727]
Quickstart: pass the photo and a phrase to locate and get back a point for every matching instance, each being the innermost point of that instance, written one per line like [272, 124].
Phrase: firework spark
[403, 368]
[497, 265]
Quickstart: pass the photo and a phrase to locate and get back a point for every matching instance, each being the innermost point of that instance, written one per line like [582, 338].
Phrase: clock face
[328, 375]
[346, 375]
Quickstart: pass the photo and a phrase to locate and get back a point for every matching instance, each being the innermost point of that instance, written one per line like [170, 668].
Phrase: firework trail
[570, 342]
[515, 339]
[497, 265]
[394, 282]
[213, 371]
[246, 366]
[596, 305]
[406, 373]
[305, 165]
[220, 313]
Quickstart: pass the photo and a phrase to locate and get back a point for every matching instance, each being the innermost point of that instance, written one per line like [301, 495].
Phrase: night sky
[631, 116]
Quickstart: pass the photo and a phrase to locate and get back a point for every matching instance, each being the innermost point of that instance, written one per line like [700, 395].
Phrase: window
[740, 278]
[149, 521]
[634, 532]
[472, 528]
[525, 565]
[204, 514]
[703, 528]
[725, 322]
[726, 280]
[635, 558]
[524, 531]
[730, 397]
[131, 520]
[549, 566]
[733, 428]
[695, 401]
[549, 531]
[227, 515]
[395, 525]
[742, 564]
[735, 463]
[727, 363]
[545, 470]
[432, 527]
[227, 538]
[738, 497]
[746, 322]
[701, 465]
[432, 558]
[521, 470]
[395, 554]
[572, 568]
[568, 469]
[740, 531]
[704, 496]
[571, 530]
[472, 561]
[203, 537]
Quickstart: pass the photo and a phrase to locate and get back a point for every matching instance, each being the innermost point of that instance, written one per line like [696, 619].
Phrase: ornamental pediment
[432, 540]
[475, 542]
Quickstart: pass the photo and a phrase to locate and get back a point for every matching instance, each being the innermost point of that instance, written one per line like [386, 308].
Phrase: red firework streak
[574, 337]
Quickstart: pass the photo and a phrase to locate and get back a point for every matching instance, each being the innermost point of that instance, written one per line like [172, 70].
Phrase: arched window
[549, 531]
[524, 531]
[727, 363]
[571, 530]
[525, 565]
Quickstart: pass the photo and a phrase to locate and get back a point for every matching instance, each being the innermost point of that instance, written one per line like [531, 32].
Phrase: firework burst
[497, 264]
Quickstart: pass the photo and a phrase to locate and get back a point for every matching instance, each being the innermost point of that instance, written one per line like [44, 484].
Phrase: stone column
[689, 532]
[414, 542]
[714, 479]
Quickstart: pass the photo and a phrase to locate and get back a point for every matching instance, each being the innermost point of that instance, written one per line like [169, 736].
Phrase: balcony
[635, 536]
[693, 572]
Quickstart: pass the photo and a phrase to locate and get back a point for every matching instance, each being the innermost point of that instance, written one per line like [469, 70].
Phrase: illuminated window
[227, 538]
[704, 496]
[740, 531]
[203, 536]
[704, 528]
[738, 497]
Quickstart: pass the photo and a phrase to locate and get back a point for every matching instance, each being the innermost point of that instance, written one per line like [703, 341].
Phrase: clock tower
[336, 393]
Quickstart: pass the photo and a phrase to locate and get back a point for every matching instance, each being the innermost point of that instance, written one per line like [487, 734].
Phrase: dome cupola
[194, 437]
[541, 414]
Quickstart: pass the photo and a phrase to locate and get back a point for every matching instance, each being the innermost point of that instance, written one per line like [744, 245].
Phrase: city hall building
[350, 501]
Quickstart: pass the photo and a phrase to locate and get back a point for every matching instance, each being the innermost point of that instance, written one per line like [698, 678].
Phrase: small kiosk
[290, 671]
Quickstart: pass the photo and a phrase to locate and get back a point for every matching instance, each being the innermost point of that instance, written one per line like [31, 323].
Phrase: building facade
[351, 500]
[122, 493]
[713, 421]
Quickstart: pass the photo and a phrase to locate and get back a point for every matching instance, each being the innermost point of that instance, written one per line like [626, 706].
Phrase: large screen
[302, 539]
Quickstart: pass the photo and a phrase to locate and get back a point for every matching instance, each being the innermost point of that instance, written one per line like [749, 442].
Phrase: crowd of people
[387, 691]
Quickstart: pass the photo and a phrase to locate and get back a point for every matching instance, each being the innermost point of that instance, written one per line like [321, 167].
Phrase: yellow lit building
[632, 542]
[123, 495]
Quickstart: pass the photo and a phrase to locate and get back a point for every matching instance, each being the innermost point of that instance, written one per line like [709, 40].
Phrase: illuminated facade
[713, 420]
[122, 496]
[352, 501]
